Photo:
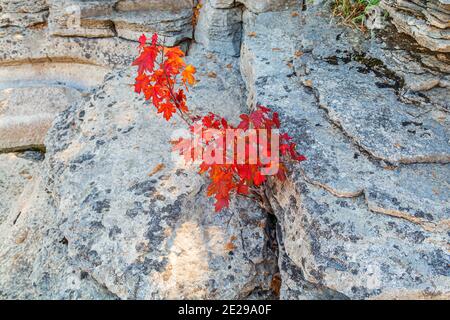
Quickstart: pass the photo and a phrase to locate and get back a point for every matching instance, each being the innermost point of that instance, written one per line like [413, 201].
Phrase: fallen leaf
[294, 14]
[252, 34]
[158, 168]
[275, 284]
[308, 83]
[298, 53]
[230, 246]
[212, 74]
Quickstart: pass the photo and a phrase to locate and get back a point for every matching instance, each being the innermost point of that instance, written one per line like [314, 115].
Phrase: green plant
[353, 13]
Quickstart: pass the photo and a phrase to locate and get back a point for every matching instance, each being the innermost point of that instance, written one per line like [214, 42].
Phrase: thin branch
[170, 87]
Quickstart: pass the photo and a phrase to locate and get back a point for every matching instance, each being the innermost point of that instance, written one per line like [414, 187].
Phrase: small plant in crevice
[196, 13]
[238, 159]
[354, 13]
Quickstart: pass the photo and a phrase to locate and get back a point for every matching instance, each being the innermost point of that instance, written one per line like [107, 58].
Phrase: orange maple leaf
[168, 109]
[188, 75]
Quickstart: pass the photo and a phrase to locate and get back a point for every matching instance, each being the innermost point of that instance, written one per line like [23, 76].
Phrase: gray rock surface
[126, 19]
[256, 6]
[23, 13]
[26, 114]
[35, 261]
[219, 29]
[359, 218]
[108, 214]
[15, 174]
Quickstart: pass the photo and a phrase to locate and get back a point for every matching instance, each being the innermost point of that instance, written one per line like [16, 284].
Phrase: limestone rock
[173, 27]
[23, 13]
[108, 213]
[77, 18]
[126, 19]
[42, 76]
[151, 235]
[35, 46]
[15, 173]
[35, 263]
[27, 113]
[258, 6]
[222, 4]
[345, 206]
[426, 21]
[220, 30]
[147, 5]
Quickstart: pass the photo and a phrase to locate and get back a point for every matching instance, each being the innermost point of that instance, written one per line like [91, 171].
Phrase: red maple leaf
[142, 82]
[167, 109]
[146, 60]
[162, 81]
[142, 41]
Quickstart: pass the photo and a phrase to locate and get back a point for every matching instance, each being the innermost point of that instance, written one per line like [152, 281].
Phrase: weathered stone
[340, 244]
[173, 27]
[41, 76]
[169, 5]
[109, 214]
[22, 13]
[426, 21]
[343, 206]
[258, 6]
[23, 6]
[27, 113]
[220, 30]
[77, 18]
[15, 174]
[374, 118]
[126, 19]
[35, 262]
[37, 47]
[222, 4]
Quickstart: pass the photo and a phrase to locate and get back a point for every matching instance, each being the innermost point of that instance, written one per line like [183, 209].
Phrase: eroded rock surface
[108, 214]
[26, 114]
[427, 21]
[368, 213]
[126, 19]
[35, 261]
[23, 13]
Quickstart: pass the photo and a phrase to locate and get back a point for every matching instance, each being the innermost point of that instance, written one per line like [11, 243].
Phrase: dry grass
[352, 13]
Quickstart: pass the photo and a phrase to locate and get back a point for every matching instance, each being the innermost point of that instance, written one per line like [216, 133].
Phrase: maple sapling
[164, 77]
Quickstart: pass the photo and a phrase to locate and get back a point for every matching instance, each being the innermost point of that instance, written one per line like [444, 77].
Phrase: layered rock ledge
[427, 21]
